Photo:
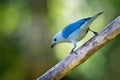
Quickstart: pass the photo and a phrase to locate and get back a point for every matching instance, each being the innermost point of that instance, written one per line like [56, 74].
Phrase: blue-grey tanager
[74, 31]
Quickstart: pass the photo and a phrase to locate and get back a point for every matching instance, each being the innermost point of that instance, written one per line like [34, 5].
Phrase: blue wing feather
[72, 27]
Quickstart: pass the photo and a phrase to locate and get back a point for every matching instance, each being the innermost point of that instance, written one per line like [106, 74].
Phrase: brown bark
[84, 52]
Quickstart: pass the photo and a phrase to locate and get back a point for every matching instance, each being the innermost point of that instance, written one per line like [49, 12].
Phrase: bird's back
[68, 30]
[73, 27]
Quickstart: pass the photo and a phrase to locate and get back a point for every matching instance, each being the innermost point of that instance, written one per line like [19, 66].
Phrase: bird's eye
[55, 39]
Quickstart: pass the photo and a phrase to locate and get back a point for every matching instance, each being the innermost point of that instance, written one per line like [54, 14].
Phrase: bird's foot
[73, 52]
[95, 33]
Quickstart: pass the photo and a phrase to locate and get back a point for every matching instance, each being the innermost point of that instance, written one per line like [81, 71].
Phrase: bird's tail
[95, 16]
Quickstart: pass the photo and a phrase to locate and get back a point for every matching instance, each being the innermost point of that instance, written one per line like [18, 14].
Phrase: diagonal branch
[84, 52]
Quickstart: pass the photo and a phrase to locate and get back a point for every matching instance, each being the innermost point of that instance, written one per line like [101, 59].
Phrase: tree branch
[84, 52]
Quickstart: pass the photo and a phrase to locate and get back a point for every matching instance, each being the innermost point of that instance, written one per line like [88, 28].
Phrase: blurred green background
[27, 28]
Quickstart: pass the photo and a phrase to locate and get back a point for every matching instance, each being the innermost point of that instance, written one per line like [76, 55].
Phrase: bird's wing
[73, 27]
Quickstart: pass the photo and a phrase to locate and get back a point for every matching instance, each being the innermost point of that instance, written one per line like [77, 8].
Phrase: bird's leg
[74, 42]
[72, 50]
[92, 31]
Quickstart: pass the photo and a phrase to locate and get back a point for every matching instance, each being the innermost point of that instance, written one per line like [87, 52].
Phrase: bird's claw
[73, 52]
[95, 33]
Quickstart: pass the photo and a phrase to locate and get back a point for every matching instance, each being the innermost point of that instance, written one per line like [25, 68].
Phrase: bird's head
[57, 39]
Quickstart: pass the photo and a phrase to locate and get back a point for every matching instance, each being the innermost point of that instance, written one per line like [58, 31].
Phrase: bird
[74, 32]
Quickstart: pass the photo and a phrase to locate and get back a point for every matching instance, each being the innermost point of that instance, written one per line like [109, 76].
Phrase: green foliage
[26, 30]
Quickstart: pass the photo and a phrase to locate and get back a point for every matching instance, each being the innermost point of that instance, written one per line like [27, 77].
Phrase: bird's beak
[52, 45]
